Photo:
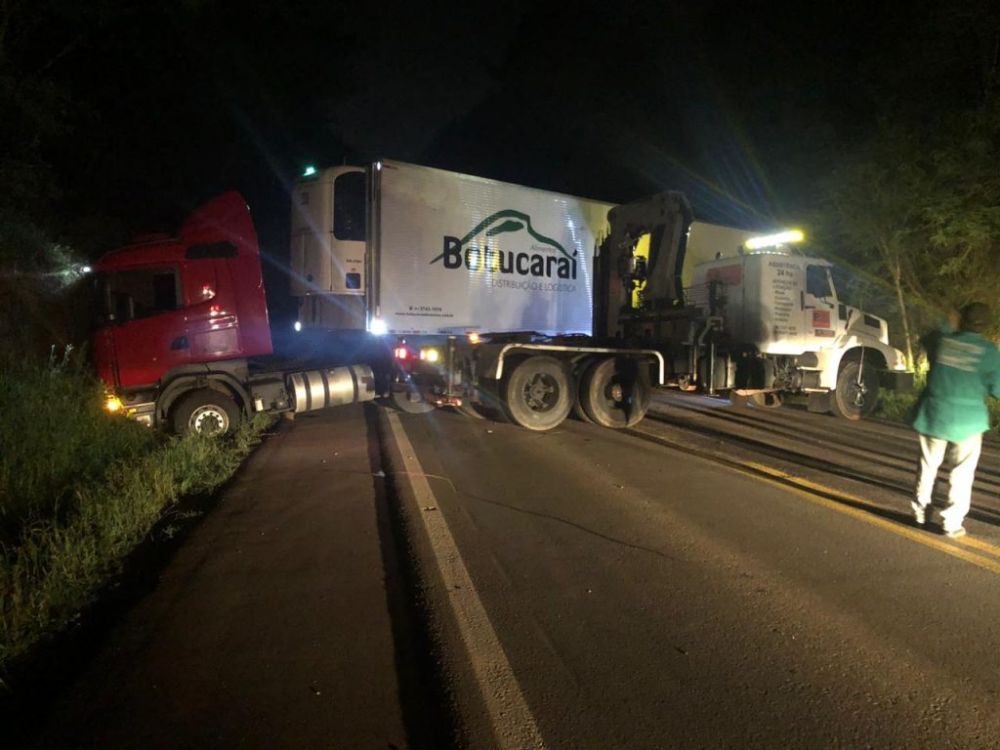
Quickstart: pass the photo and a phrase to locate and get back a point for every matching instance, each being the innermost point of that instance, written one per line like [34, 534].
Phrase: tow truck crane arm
[665, 217]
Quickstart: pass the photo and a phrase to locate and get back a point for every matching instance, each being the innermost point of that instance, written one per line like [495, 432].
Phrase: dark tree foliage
[119, 116]
[914, 204]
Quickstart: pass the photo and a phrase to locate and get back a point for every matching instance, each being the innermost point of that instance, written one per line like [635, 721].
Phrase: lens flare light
[788, 237]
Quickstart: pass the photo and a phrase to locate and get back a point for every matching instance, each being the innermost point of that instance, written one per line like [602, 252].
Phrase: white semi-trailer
[540, 303]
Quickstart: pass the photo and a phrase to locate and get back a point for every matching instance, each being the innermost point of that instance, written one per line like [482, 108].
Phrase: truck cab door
[148, 325]
[819, 308]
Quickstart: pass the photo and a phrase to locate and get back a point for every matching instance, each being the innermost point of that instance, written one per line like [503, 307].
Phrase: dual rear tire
[613, 392]
[540, 391]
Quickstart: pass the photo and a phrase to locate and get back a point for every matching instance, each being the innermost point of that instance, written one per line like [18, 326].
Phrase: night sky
[741, 105]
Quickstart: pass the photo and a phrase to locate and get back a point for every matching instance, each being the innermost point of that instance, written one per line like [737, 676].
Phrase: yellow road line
[808, 490]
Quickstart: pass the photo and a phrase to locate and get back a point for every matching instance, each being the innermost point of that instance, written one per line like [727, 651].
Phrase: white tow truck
[755, 317]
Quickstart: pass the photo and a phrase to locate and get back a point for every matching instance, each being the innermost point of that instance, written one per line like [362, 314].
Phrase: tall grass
[54, 437]
[79, 489]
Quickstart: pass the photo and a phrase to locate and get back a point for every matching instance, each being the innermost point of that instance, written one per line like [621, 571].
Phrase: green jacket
[964, 368]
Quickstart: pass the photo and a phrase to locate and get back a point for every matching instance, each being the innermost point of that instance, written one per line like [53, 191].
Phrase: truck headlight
[113, 404]
[430, 355]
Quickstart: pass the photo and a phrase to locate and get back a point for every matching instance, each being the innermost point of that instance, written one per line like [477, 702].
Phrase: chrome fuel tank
[319, 389]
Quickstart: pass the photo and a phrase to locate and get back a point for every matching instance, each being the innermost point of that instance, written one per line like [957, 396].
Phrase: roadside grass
[79, 489]
[896, 407]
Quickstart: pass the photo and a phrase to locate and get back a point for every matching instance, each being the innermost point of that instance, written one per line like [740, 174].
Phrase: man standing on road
[952, 415]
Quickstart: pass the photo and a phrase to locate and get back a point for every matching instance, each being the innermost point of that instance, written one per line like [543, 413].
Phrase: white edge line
[513, 724]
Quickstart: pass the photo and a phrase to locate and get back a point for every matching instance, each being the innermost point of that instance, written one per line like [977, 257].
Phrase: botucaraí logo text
[550, 259]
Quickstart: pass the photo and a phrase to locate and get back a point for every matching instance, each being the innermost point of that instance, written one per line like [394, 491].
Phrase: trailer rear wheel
[538, 393]
[616, 392]
[578, 411]
[205, 412]
[856, 394]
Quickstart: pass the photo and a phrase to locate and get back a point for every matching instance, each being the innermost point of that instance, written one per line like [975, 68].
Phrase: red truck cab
[195, 298]
[185, 337]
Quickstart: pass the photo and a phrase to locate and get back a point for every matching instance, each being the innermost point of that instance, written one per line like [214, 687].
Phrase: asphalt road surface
[718, 577]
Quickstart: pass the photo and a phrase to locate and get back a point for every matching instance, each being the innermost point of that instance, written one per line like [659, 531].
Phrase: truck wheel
[578, 411]
[856, 394]
[616, 393]
[538, 394]
[205, 412]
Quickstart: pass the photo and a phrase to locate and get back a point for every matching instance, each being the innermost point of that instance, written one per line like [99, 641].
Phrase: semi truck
[183, 339]
[442, 289]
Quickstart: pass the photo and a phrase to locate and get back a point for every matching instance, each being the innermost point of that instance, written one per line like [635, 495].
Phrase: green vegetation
[915, 212]
[79, 489]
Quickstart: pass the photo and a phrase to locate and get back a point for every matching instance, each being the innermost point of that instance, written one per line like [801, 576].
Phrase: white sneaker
[920, 516]
[955, 533]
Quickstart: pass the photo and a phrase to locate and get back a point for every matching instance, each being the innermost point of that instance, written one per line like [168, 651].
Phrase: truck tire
[538, 393]
[616, 393]
[205, 412]
[854, 397]
[578, 411]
